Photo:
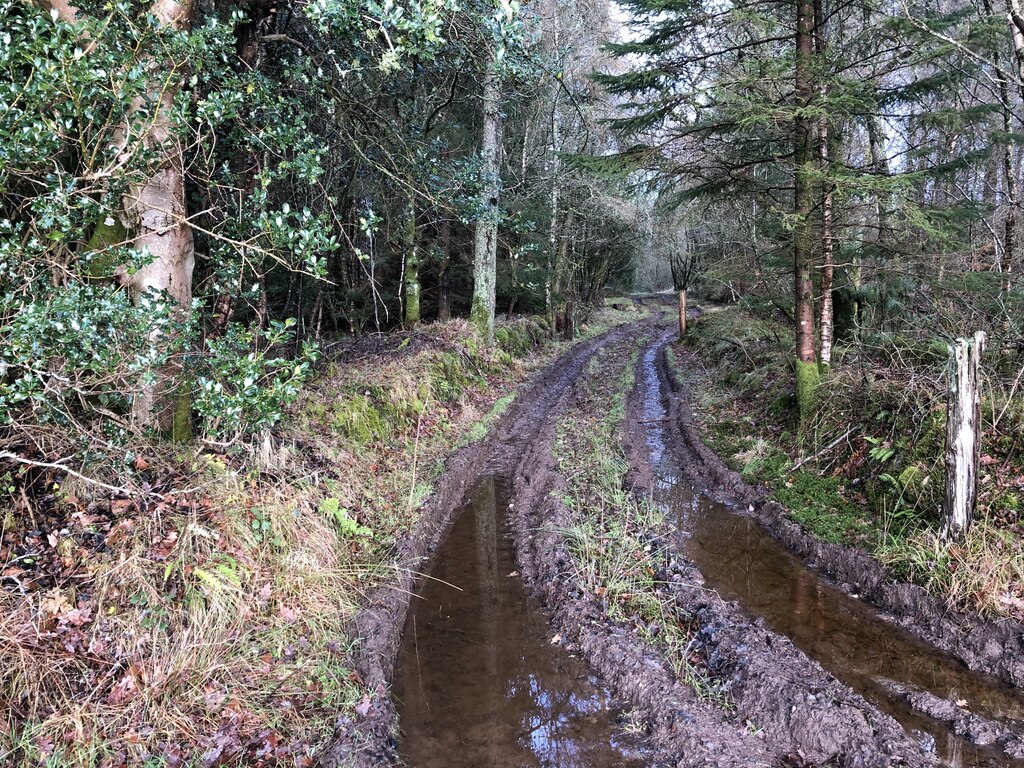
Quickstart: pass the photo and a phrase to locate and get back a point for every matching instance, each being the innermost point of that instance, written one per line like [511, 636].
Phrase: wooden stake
[963, 436]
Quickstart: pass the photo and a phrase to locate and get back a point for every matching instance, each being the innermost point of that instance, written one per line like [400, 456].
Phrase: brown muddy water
[846, 636]
[478, 680]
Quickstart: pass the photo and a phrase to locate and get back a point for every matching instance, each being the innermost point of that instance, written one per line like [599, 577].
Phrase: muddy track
[786, 710]
[995, 648]
[368, 739]
[803, 716]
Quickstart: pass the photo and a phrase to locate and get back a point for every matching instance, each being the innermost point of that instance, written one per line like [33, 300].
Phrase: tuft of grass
[610, 532]
[984, 571]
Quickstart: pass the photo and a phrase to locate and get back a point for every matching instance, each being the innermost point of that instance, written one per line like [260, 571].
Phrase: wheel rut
[369, 737]
[804, 693]
[962, 718]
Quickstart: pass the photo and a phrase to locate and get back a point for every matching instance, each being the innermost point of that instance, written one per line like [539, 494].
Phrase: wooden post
[682, 313]
[963, 436]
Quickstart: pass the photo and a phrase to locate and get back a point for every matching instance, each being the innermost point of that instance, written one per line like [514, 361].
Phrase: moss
[101, 261]
[815, 503]
[449, 376]
[808, 381]
[181, 423]
[483, 322]
[358, 418]
[412, 303]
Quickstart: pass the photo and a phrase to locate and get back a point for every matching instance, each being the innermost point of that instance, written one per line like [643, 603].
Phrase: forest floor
[254, 615]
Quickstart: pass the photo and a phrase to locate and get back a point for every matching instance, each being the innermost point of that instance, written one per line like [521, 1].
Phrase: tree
[485, 246]
[807, 374]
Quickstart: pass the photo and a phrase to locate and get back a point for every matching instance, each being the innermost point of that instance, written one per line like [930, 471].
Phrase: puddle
[847, 637]
[478, 681]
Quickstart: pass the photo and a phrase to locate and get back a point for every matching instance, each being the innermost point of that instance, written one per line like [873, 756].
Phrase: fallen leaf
[77, 617]
[363, 707]
[556, 639]
[124, 690]
[121, 507]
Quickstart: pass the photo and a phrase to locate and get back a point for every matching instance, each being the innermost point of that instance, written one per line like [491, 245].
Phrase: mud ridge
[801, 708]
[995, 648]
[682, 730]
[368, 739]
[787, 709]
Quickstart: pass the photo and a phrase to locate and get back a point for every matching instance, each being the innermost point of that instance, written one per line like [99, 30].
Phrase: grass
[209, 623]
[881, 488]
[610, 531]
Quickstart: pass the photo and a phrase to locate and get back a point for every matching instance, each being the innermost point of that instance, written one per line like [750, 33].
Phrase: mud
[369, 737]
[995, 648]
[478, 681]
[788, 710]
[895, 668]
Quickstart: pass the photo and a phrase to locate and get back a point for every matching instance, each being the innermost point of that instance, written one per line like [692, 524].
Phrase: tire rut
[368, 738]
[854, 571]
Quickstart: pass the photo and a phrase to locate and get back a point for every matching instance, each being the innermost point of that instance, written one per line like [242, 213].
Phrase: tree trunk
[444, 307]
[682, 313]
[880, 166]
[807, 374]
[412, 268]
[963, 437]
[156, 212]
[827, 193]
[485, 248]
[552, 254]
[1016, 16]
[1009, 161]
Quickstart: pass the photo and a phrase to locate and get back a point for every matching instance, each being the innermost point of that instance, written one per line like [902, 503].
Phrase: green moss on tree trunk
[808, 379]
[181, 423]
[106, 234]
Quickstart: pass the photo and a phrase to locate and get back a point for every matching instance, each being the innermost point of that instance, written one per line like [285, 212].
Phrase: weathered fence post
[963, 435]
[682, 312]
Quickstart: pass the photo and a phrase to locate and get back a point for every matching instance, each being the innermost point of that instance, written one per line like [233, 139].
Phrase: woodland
[265, 265]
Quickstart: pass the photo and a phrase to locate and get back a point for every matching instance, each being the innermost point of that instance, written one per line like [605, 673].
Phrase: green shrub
[243, 389]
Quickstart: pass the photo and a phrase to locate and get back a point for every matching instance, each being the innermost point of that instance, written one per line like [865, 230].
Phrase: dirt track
[804, 716]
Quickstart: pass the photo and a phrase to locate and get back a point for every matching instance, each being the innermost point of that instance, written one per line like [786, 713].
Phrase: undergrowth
[202, 620]
[611, 534]
[872, 459]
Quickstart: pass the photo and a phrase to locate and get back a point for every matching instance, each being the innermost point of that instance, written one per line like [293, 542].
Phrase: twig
[1009, 399]
[415, 456]
[824, 450]
[62, 468]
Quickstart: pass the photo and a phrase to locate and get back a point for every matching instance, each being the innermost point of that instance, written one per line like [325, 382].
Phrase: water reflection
[848, 638]
[478, 681]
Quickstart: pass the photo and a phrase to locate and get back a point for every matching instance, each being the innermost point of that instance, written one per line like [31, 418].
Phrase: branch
[62, 468]
[823, 451]
[284, 39]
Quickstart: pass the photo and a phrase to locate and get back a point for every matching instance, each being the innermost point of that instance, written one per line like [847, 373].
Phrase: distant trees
[875, 144]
